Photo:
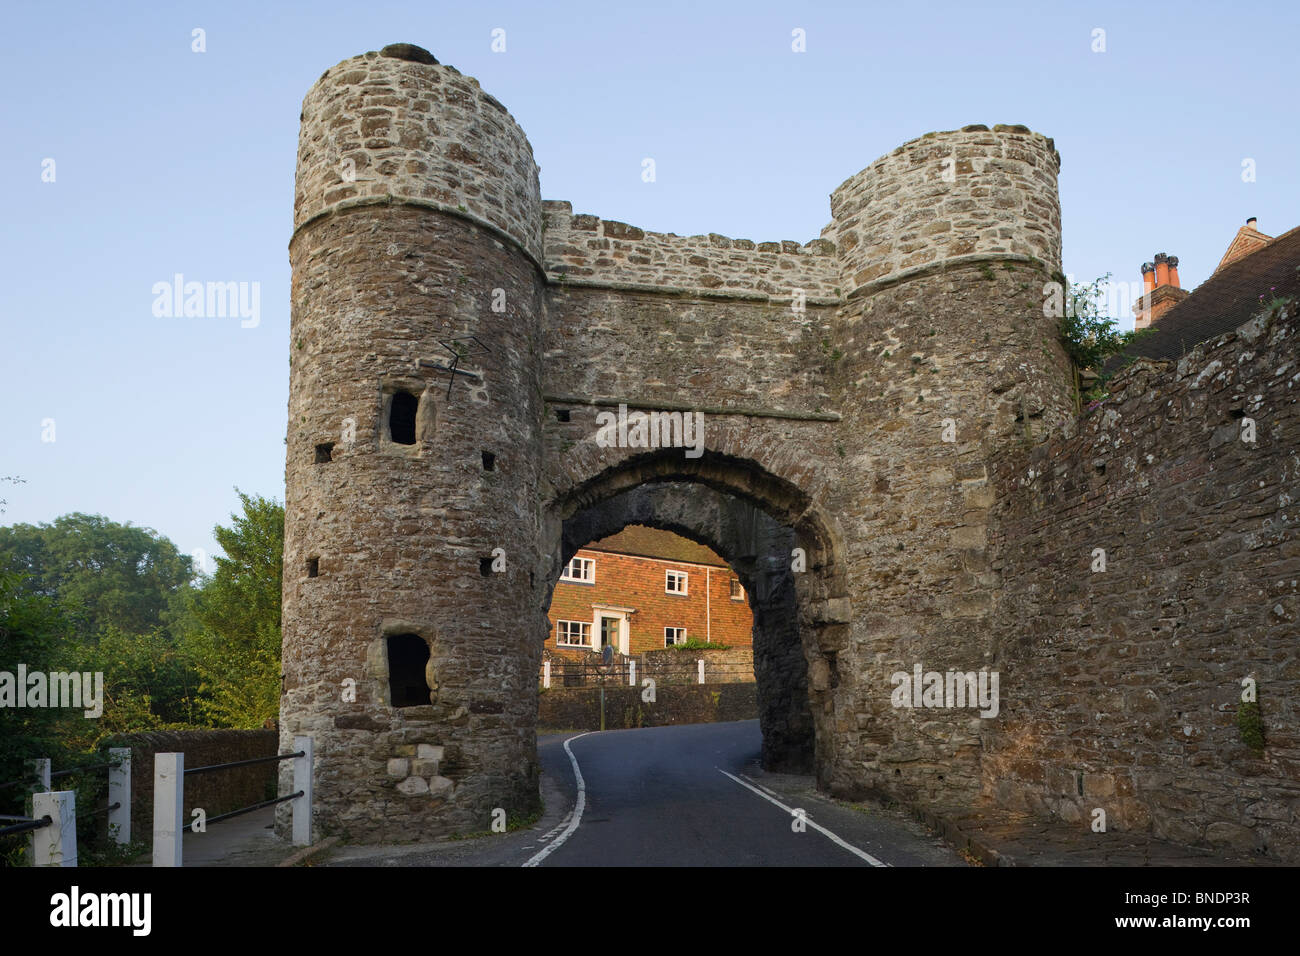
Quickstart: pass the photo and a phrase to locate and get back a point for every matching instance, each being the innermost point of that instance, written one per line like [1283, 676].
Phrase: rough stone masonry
[891, 463]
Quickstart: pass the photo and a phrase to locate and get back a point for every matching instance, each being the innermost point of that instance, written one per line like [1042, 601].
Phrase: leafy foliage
[237, 642]
[101, 572]
[695, 644]
[1089, 336]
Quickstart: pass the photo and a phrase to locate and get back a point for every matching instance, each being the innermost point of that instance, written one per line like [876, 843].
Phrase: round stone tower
[412, 535]
[949, 359]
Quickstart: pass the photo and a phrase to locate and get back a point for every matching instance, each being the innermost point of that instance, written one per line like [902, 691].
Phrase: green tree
[236, 641]
[1089, 336]
[101, 572]
[31, 632]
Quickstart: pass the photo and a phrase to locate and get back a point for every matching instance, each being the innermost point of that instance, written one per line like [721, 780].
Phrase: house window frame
[737, 590]
[588, 563]
[684, 578]
[679, 634]
[584, 629]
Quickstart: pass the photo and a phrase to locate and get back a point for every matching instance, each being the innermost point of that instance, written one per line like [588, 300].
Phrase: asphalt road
[691, 795]
[694, 796]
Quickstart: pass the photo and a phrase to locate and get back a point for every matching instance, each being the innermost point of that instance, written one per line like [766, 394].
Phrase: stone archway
[779, 545]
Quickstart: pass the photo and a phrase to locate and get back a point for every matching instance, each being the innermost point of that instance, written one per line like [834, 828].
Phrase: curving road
[693, 795]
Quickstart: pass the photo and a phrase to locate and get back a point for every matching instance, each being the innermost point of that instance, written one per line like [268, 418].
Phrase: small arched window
[407, 656]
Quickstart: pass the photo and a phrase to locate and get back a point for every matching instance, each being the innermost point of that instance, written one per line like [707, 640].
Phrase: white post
[168, 808]
[119, 791]
[631, 673]
[700, 662]
[302, 772]
[546, 674]
[41, 771]
[56, 844]
[40, 768]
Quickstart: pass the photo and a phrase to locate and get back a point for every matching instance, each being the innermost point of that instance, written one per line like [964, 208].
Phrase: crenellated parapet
[586, 249]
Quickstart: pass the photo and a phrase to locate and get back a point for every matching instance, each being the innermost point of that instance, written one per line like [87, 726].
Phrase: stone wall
[578, 708]
[382, 127]
[732, 666]
[969, 194]
[1122, 687]
[218, 792]
[877, 468]
[584, 249]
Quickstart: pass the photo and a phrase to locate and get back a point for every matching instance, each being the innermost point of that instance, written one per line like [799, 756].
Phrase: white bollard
[41, 773]
[119, 791]
[631, 673]
[700, 662]
[56, 844]
[546, 674]
[168, 808]
[302, 773]
[40, 768]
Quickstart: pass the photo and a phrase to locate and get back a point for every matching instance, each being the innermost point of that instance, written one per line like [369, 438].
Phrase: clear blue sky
[169, 161]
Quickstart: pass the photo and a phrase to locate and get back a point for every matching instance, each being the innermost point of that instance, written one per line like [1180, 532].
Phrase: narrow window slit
[401, 418]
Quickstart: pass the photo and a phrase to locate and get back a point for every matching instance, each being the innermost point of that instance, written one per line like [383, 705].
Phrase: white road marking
[557, 828]
[577, 808]
[820, 829]
[770, 793]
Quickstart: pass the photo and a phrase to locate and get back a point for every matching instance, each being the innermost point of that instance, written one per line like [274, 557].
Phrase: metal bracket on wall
[460, 348]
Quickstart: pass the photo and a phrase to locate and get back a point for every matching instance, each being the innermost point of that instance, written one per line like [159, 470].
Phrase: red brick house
[644, 589]
[1256, 270]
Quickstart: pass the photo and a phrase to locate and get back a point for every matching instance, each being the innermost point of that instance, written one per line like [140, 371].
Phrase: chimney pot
[1148, 277]
[1173, 272]
[1162, 269]
[1250, 223]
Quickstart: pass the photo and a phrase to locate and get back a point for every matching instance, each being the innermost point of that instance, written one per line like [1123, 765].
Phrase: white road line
[577, 808]
[770, 793]
[820, 829]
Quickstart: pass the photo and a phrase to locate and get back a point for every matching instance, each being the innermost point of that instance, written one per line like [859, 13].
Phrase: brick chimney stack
[1160, 288]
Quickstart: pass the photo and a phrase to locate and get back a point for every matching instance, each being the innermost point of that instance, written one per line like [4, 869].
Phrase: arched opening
[408, 655]
[784, 557]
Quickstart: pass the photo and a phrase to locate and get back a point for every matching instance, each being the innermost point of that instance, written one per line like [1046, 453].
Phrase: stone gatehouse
[891, 462]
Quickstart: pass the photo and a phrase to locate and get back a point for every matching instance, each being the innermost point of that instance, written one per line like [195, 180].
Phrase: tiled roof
[653, 543]
[1226, 300]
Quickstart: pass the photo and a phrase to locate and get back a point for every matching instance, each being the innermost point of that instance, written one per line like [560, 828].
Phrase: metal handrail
[256, 806]
[26, 825]
[90, 766]
[244, 763]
